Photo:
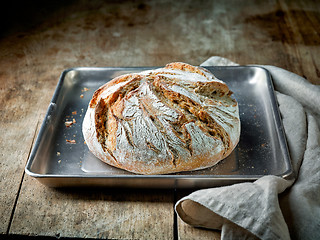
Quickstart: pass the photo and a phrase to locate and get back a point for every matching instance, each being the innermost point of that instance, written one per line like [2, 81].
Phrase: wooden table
[39, 40]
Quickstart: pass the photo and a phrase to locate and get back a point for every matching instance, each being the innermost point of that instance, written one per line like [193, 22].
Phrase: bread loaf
[172, 119]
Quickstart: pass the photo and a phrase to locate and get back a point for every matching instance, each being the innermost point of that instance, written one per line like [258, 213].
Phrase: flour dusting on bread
[171, 119]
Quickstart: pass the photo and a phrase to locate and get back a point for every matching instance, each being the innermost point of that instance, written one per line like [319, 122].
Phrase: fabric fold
[271, 207]
[301, 203]
[252, 206]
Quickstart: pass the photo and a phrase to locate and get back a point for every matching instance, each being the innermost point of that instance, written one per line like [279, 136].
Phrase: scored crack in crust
[171, 119]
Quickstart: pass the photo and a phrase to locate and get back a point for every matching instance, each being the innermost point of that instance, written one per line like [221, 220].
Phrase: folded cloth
[271, 207]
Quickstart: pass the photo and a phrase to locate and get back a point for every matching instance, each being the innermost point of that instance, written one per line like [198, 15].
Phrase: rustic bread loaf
[172, 119]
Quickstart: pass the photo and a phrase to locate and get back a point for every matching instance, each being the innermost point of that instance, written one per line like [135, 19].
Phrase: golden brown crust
[115, 81]
[218, 86]
[178, 118]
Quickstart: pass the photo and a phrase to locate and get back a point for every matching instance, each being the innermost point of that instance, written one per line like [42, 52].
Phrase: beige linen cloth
[271, 207]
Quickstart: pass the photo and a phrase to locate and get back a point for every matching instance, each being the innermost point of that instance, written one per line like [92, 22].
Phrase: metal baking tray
[60, 158]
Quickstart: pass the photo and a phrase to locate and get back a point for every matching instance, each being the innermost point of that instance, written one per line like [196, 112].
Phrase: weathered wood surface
[93, 213]
[39, 41]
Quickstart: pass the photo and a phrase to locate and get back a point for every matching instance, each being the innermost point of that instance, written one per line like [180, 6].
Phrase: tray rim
[288, 174]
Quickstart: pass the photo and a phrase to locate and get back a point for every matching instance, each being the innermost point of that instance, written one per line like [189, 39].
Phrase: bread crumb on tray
[68, 123]
[85, 89]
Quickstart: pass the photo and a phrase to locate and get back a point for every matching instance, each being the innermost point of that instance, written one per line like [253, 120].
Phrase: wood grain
[39, 40]
[19, 119]
[93, 213]
[188, 232]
